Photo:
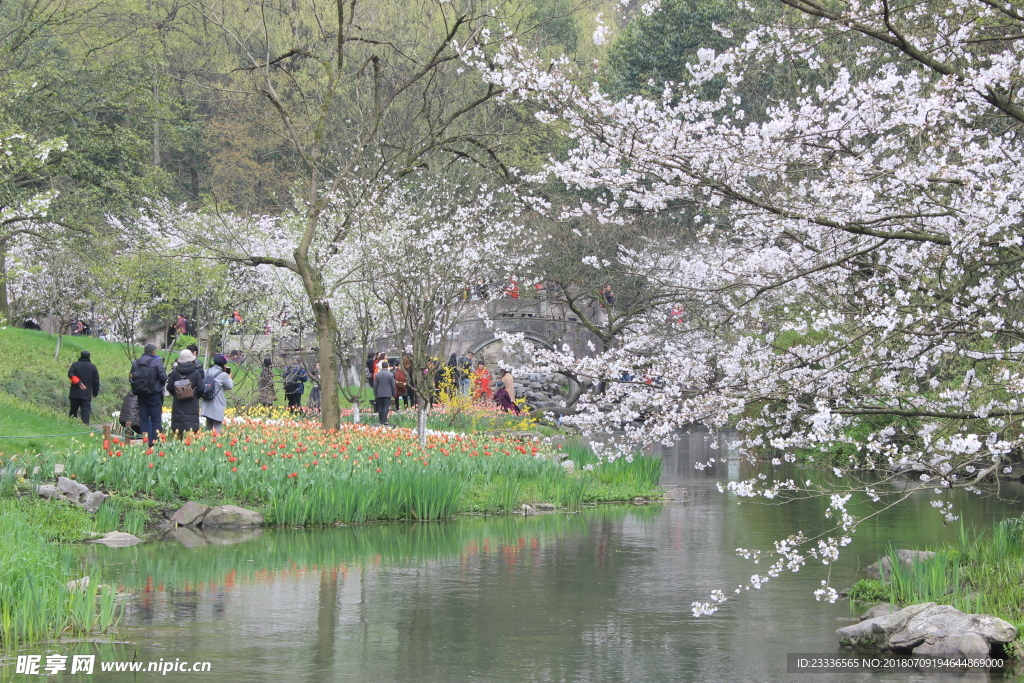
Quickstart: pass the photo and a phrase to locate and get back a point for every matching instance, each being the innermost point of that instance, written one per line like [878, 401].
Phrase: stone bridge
[540, 322]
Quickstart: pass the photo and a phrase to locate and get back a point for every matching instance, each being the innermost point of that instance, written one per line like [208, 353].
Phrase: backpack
[183, 390]
[143, 378]
[208, 389]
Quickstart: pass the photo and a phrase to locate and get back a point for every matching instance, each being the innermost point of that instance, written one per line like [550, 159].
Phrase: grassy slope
[34, 387]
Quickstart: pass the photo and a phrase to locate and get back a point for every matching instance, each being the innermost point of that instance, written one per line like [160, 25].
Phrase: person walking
[384, 389]
[147, 378]
[85, 385]
[295, 378]
[265, 387]
[213, 408]
[184, 384]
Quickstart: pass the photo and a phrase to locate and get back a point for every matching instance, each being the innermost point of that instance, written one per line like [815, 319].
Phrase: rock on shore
[930, 629]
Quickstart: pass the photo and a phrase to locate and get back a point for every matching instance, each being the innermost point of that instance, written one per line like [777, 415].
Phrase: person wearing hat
[213, 409]
[85, 385]
[184, 384]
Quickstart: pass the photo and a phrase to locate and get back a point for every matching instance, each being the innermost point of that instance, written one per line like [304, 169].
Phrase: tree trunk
[330, 406]
[422, 410]
[5, 310]
[60, 337]
[355, 412]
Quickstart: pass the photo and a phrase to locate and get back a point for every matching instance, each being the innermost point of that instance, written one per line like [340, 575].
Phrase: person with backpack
[216, 381]
[85, 384]
[147, 378]
[185, 384]
[295, 378]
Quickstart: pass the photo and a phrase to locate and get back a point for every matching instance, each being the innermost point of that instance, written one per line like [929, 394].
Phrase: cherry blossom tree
[22, 160]
[424, 245]
[857, 249]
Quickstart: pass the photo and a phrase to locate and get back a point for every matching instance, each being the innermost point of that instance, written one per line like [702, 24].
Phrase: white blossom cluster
[853, 270]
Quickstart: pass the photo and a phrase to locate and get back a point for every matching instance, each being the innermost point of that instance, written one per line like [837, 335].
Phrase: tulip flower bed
[299, 474]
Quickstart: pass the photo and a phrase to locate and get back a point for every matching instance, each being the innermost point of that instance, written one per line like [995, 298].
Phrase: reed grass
[35, 602]
[981, 573]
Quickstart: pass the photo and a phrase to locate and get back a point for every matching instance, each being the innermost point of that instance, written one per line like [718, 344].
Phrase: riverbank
[36, 601]
[979, 573]
[296, 474]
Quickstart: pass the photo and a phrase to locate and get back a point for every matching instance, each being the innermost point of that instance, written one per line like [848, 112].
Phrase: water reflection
[603, 595]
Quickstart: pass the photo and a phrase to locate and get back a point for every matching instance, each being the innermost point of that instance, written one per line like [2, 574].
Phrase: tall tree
[367, 96]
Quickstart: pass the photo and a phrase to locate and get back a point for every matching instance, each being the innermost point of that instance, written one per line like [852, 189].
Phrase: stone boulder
[93, 501]
[116, 539]
[72, 490]
[944, 621]
[231, 517]
[49, 491]
[879, 611]
[882, 568]
[929, 629]
[190, 513]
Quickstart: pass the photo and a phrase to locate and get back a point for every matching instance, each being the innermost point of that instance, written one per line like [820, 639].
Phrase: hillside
[34, 386]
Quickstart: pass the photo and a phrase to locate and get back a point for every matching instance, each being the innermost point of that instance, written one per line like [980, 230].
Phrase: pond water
[603, 595]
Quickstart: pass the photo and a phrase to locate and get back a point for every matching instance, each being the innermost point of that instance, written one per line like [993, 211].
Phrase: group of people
[196, 394]
[398, 383]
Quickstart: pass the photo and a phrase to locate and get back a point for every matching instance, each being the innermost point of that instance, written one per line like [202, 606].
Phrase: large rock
[928, 629]
[49, 491]
[190, 513]
[882, 568]
[966, 645]
[116, 539]
[231, 516]
[72, 490]
[879, 611]
[941, 621]
[874, 634]
[93, 501]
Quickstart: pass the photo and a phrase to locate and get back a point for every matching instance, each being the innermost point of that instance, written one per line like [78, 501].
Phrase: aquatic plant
[36, 603]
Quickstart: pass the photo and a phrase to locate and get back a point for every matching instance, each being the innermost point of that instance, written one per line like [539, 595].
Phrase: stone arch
[480, 345]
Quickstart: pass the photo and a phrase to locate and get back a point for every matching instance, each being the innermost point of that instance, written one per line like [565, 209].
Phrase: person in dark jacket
[85, 385]
[384, 389]
[129, 415]
[185, 409]
[150, 396]
[295, 378]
